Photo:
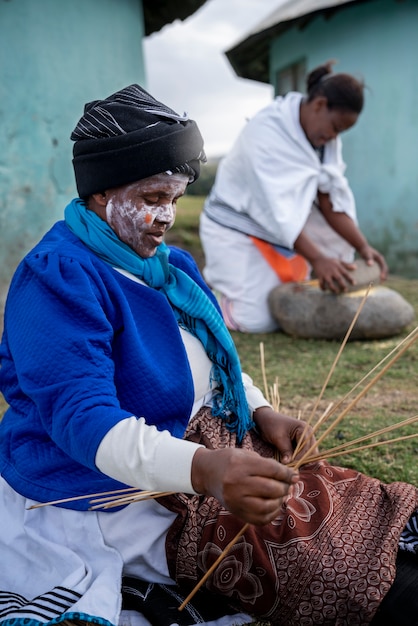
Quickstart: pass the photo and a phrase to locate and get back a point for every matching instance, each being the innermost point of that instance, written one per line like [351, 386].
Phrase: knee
[246, 317]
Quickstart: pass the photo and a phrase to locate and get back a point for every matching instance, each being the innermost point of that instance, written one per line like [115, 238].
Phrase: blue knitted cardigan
[63, 402]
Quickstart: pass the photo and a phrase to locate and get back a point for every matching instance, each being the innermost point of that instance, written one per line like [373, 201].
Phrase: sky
[186, 68]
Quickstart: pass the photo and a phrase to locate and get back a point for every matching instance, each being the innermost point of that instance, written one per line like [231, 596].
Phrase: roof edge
[158, 13]
[250, 57]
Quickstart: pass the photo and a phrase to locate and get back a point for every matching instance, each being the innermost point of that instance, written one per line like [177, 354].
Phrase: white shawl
[273, 174]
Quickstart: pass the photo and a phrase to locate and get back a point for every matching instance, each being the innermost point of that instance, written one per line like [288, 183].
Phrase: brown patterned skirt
[329, 558]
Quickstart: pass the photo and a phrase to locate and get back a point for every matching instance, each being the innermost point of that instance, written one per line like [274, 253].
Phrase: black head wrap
[130, 136]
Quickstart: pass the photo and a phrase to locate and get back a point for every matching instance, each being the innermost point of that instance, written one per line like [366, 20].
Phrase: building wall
[375, 41]
[55, 55]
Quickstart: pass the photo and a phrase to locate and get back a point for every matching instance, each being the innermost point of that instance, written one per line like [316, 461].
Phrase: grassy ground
[301, 367]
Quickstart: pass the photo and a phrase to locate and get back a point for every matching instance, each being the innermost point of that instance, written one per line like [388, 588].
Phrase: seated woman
[281, 205]
[120, 372]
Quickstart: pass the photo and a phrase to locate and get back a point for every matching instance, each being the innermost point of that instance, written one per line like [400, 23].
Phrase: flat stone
[304, 310]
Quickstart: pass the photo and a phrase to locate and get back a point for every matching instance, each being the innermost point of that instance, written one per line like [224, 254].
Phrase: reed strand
[300, 444]
[405, 347]
[213, 566]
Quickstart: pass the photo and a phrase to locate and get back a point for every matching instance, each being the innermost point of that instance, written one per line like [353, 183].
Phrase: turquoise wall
[55, 56]
[378, 42]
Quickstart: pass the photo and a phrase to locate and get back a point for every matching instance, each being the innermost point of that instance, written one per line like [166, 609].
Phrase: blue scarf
[193, 309]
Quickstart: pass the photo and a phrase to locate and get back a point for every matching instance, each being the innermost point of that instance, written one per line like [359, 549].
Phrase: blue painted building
[55, 56]
[375, 40]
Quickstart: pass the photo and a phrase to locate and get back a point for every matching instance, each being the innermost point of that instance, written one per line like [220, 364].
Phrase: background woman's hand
[347, 228]
[371, 255]
[333, 274]
[250, 486]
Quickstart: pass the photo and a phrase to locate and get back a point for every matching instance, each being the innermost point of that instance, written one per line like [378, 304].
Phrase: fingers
[250, 486]
[267, 488]
[334, 275]
[259, 496]
[264, 504]
[371, 255]
[309, 444]
[340, 280]
[283, 432]
[260, 512]
[384, 270]
[258, 475]
[308, 440]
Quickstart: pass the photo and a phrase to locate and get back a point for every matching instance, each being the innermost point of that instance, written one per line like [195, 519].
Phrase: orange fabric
[289, 270]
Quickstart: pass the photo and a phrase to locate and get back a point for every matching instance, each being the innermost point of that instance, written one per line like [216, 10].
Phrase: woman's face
[322, 124]
[140, 213]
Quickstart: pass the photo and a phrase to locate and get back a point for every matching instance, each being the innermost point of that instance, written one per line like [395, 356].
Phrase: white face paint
[141, 213]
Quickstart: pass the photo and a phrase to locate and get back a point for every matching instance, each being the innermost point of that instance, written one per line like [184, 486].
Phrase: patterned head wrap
[130, 136]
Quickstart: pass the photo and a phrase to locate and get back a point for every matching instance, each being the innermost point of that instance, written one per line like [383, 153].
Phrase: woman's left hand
[371, 255]
[283, 432]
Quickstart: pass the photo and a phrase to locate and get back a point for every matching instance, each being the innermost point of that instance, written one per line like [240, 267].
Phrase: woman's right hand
[332, 274]
[250, 486]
